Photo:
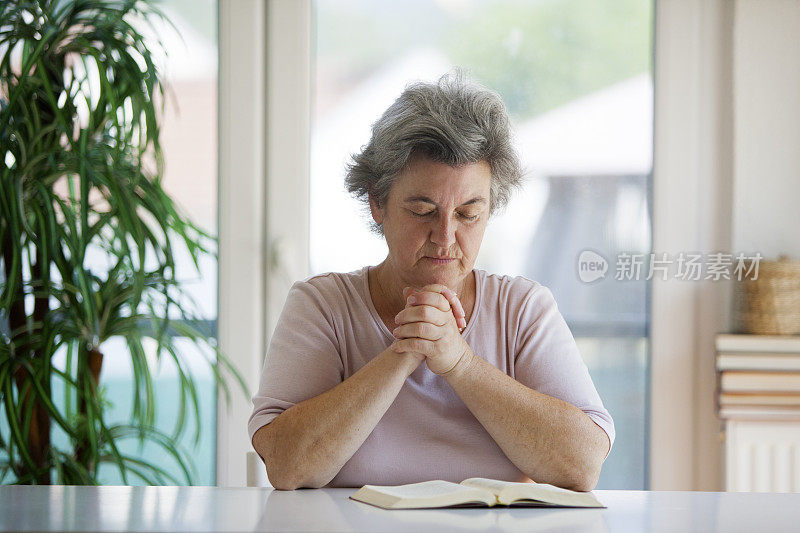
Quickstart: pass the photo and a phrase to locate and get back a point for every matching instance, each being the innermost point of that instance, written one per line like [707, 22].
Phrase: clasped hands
[430, 326]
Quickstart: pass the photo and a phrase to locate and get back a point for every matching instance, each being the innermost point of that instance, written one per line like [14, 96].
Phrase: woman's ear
[375, 209]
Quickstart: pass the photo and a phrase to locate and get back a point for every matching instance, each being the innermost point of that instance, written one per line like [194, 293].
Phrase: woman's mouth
[440, 260]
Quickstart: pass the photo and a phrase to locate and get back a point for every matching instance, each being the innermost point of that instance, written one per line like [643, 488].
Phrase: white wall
[767, 127]
[691, 213]
[726, 178]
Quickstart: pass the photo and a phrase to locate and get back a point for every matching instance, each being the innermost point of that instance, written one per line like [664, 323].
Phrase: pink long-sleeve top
[329, 329]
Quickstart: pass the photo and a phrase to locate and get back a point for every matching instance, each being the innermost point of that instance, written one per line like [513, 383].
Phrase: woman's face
[434, 220]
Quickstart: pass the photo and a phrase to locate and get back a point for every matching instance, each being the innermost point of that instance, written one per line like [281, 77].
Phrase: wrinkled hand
[431, 325]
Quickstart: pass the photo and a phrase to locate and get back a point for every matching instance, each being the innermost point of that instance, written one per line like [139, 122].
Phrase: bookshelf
[758, 399]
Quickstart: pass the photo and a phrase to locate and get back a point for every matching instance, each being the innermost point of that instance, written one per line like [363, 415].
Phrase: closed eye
[428, 213]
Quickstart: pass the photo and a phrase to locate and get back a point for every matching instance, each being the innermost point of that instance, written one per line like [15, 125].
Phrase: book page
[492, 485]
[511, 493]
[426, 489]
[420, 495]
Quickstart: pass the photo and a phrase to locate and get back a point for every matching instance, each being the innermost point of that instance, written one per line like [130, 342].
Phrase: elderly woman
[424, 367]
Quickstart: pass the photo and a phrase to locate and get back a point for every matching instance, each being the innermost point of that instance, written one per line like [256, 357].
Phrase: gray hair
[453, 121]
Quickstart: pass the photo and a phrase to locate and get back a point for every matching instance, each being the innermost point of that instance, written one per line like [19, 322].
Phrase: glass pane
[189, 142]
[576, 76]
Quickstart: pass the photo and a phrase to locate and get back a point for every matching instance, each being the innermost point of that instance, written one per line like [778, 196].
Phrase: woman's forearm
[307, 445]
[550, 440]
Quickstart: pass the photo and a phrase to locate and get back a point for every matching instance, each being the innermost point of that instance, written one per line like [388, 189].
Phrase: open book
[475, 491]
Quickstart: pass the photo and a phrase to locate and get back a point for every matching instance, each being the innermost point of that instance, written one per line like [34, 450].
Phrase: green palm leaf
[57, 57]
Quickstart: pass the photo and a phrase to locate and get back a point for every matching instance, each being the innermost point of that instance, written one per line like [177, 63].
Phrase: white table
[60, 508]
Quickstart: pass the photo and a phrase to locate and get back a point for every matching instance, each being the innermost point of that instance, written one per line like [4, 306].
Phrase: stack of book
[759, 377]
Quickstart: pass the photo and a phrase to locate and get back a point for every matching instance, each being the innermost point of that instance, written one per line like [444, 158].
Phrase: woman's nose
[444, 232]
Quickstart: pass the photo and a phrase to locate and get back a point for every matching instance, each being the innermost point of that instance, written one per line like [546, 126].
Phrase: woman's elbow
[279, 476]
[588, 476]
[584, 473]
[283, 482]
[587, 483]
[289, 482]
[283, 476]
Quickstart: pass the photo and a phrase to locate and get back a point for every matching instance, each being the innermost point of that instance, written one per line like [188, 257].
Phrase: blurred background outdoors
[189, 142]
[577, 79]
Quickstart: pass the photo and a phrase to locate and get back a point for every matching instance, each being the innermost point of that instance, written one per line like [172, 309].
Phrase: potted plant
[88, 243]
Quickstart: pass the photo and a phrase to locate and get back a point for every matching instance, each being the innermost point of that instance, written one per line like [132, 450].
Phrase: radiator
[762, 456]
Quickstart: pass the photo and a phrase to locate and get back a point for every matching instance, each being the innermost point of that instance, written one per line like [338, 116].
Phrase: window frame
[265, 58]
[264, 126]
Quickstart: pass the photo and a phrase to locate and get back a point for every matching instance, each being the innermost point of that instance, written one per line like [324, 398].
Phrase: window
[577, 79]
[189, 142]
